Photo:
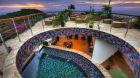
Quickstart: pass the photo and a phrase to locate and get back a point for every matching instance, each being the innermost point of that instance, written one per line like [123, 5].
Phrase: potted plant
[107, 10]
[137, 24]
[89, 17]
[91, 23]
[45, 43]
[61, 19]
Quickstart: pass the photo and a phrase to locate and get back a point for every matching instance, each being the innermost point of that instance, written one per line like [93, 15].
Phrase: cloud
[129, 7]
[105, 3]
[27, 5]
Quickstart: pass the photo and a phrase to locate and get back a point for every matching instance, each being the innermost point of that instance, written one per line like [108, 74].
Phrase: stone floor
[7, 61]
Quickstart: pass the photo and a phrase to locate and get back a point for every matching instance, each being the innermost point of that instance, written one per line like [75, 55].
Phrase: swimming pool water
[56, 67]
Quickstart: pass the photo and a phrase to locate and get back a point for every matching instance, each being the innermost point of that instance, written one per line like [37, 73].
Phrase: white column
[102, 51]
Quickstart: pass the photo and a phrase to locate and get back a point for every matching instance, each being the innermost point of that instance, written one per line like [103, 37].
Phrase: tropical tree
[137, 24]
[61, 18]
[71, 7]
[109, 2]
[107, 10]
[68, 12]
[91, 23]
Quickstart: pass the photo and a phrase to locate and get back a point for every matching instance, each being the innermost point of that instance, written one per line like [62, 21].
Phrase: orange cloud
[28, 5]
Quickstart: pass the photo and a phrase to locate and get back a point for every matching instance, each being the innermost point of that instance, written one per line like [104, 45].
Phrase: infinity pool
[55, 67]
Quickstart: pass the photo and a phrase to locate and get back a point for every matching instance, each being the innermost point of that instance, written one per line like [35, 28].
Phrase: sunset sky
[131, 6]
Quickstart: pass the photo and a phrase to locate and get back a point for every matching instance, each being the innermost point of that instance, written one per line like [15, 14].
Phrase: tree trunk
[109, 2]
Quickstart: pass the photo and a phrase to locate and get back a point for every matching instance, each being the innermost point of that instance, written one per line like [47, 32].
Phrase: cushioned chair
[48, 22]
[79, 20]
[107, 21]
[72, 18]
[118, 24]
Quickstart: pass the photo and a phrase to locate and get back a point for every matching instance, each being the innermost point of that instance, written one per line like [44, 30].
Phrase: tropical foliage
[71, 7]
[45, 43]
[61, 18]
[107, 10]
[110, 2]
[99, 13]
[137, 25]
[89, 19]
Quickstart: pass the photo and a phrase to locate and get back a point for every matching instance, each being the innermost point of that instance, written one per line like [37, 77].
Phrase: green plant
[91, 23]
[68, 12]
[61, 18]
[137, 24]
[71, 7]
[98, 13]
[89, 19]
[45, 43]
[107, 9]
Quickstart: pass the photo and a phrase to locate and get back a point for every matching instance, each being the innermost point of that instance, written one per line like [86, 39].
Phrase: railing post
[7, 50]
[30, 25]
[25, 22]
[111, 26]
[98, 25]
[16, 30]
[129, 23]
[32, 19]
[42, 22]
[126, 32]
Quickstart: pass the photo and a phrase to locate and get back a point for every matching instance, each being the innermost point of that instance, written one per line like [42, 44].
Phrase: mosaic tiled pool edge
[128, 51]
